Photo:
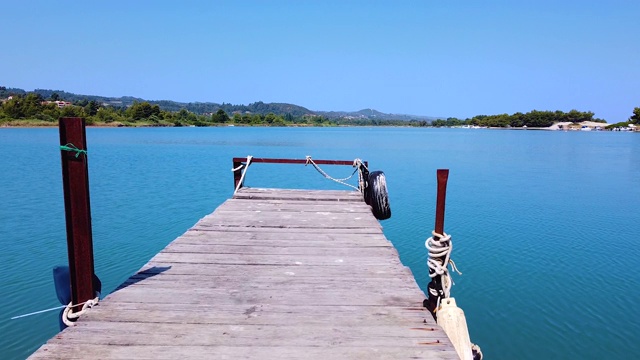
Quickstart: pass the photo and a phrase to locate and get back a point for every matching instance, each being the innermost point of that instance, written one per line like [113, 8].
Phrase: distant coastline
[584, 126]
[42, 108]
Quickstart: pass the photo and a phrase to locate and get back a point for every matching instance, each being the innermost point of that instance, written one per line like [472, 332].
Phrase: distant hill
[259, 107]
[371, 114]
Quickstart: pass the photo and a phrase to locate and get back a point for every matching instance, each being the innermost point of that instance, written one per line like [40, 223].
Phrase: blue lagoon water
[545, 224]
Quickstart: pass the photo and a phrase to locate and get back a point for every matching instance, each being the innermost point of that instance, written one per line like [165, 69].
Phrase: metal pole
[435, 286]
[75, 179]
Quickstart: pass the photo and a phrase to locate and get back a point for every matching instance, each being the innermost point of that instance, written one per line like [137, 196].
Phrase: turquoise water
[545, 224]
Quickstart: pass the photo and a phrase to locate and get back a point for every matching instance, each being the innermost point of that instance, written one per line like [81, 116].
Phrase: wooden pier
[270, 274]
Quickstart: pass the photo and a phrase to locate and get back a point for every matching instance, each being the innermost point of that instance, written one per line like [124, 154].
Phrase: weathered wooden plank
[213, 316]
[277, 237]
[244, 294]
[300, 242]
[360, 217]
[305, 195]
[179, 247]
[302, 205]
[405, 314]
[268, 220]
[275, 270]
[284, 283]
[270, 274]
[283, 228]
[255, 259]
[263, 314]
[301, 192]
[310, 216]
[249, 206]
[160, 334]
[372, 351]
[211, 234]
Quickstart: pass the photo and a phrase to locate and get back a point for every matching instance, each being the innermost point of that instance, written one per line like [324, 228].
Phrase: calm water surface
[545, 224]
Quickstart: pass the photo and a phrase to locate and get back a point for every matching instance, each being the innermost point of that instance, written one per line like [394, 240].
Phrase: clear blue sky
[430, 57]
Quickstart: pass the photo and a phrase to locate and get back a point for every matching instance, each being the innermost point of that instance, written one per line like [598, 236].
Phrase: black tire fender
[376, 195]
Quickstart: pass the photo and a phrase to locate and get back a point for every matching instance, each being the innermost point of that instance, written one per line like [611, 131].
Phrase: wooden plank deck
[270, 274]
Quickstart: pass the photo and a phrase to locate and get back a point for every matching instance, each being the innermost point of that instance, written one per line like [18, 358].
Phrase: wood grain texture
[271, 274]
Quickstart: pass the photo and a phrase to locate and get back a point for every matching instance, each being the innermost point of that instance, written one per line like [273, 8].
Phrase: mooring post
[435, 286]
[237, 172]
[75, 180]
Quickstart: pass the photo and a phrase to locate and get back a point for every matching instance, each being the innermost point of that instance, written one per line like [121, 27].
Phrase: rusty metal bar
[237, 161]
[297, 161]
[75, 180]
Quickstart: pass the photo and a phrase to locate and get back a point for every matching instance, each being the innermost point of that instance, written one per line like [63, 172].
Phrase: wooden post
[75, 179]
[443, 176]
[237, 174]
[435, 286]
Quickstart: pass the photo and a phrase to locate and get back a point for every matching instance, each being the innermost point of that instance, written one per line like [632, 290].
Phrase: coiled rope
[437, 249]
[68, 317]
[244, 172]
[357, 163]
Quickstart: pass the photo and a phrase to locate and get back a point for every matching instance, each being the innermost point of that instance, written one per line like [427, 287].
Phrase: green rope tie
[73, 148]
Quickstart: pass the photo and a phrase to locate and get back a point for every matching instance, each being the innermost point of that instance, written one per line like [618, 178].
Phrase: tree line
[533, 118]
[34, 109]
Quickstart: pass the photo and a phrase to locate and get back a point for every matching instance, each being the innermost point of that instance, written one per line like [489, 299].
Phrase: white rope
[438, 249]
[244, 172]
[339, 181]
[38, 312]
[68, 317]
[358, 164]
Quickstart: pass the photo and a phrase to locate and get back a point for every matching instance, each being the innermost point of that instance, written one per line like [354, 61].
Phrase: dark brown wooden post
[435, 286]
[75, 180]
[443, 176]
[237, 174]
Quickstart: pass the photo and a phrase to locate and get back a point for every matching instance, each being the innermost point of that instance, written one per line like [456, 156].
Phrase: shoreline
[554, 127]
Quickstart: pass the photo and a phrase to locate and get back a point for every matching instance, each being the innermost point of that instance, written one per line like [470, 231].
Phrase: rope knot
[72, 148]
[440, 246]
[69, 318]
[244, 172]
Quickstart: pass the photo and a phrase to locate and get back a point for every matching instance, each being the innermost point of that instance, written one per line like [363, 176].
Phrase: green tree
[270, 118]
[13, 108]
[50, 112]
[288, 118]
[108, 115]
[255, 119]
[142, 110]
[72, 111]
[635, 118]
[91, 108]
[220, 117]
[32, 105]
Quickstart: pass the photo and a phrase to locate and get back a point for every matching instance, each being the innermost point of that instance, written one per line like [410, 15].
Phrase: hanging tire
[376, 195]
